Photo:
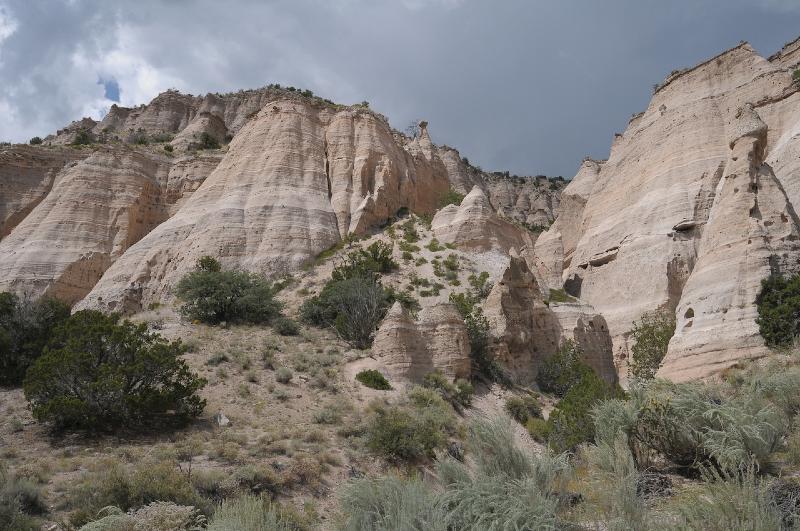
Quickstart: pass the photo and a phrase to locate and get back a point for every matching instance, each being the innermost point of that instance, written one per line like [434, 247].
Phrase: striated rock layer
[693, 207]
[27, 174]
[409, 349]
[294, 181]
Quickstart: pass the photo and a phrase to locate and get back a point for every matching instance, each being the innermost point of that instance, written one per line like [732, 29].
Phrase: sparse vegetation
[212, 296]
[207, 141]
[458, 393]
[99, 373]
[412, 429]
[478, 332]
[83, 138]
[796, 76]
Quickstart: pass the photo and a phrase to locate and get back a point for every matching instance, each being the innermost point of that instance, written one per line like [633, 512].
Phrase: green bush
[82, 138]
[285, 326]
[523, 408]
[570, 423]
[374, 380]
[778, 306]
[651, 335]
[25, 328]
[412, 429]
[212, 296]
[35, 141]
[458, 394]
[354, 307]
[207, 141]
[155, 516]
[99, 373]
[559, 295]
[796, 76]
[367, 263]
[563, 370]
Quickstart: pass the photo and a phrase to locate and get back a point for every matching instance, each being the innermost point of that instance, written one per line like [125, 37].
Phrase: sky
[529, 86]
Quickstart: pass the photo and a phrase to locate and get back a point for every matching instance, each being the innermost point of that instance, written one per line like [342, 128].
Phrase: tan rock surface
[95, 211]
[409, 349]
[27, 174]
[674, 203]
[474, 225]
[294, 181]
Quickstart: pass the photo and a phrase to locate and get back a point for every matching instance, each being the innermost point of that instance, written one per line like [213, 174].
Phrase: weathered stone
[409, 349]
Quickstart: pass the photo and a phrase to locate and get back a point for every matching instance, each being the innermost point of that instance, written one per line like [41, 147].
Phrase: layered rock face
[26, 176]
[409, 349]
[526, 331]
[95, 211]
[685, 215]
[294, 181]
[474, 225]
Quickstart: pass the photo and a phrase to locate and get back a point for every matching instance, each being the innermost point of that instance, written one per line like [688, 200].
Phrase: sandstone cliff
[693, 207]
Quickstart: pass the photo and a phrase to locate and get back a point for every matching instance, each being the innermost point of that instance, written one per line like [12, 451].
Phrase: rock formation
[409, 349]
[27, 174]
[684, 215]
[526, 330]
[474, 225]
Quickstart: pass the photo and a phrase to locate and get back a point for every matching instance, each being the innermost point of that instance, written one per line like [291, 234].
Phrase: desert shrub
[412, 429]
[168, 148]
[410, 234]
[35, 141]
[374, 380]
[613, 485]
[651, 335]
[796, 76]
[478, 332]
[249, 513]
[283, 375]
[434, 246]
[480, 284]
[156, 516]
[523, 408]
[285, 326]
[458, 394]
[374, 260]
[390, 503]
[25, 328]
[112, 483]
[451, 198]
[778, 306]
[570, 423]
[207, 141]
[563, 370]
[212, 296]
[730, 501]
[20, 501]
[353, 307]
[559, 295]
[83, 137]
[506, 488]
[100, 373]
[694, 425]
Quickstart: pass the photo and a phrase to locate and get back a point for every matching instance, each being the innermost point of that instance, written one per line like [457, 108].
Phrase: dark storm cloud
[525, 85]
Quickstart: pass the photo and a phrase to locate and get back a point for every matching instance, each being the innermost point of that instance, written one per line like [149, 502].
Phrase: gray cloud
[526, 85]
